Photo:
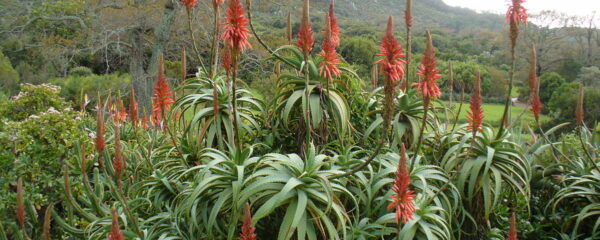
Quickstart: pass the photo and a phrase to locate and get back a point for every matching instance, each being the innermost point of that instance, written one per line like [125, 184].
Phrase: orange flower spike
[328, 67]
[516, 12]
[428, 73]
[133, 108]
[226, 61]
[306, 39]
[236, 31]
[392, 64]
[118, 162]
[161, 102]
[534, 85]
[247, 232]
[189, 4]
[403, 199]
[476, 116]
[515, 15]
[335, 29]
[512, 232]
[579, 111]
[99, 142]
[20, 209]
[145, 124]
[115, 231]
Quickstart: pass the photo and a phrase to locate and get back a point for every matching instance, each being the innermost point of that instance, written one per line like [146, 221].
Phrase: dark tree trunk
[143, 76]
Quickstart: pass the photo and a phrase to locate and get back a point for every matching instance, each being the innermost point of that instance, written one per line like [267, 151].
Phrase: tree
[9, 78]
[550, 83]
[360, 51]
[589, 76]
[564, 101]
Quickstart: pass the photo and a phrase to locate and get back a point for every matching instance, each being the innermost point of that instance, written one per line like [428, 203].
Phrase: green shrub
[9, 78]
[36, 149]
[74, 85]
[80, 71]
[33, 99]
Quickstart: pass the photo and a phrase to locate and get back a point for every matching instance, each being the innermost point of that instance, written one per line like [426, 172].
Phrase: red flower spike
[428, 73]
[328, 67]
[516, 13]
[20, 209]
[99, 142]
[335, 29]
[512, 232]
[189, 4]
[579, 113]
[133, 108]
[161, 102]
[476, 116]
[392, 63]
[115, 231]
[306, 39]
[145, 124]
[402, 201]
[247, 232]
[536, 104]
[236, 32]
[118, 162]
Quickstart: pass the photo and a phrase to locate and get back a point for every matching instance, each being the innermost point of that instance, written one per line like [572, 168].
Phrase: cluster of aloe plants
[327, 158]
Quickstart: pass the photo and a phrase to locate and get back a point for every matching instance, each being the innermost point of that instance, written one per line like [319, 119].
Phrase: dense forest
[281, 119]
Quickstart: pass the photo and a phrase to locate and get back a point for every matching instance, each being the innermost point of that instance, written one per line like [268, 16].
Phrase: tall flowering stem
[289, 28]
[115, 230]
[512, 232]
[20, 209]
[475, 114]
[162, 100]
[328, 67]
[191, 31]
[118, 162]
[247, 232]
[427, 85]
[579, 120]
[392, 66]
[403, 198]
[408, 20]
[235, 36]
[216, 4]
[534, 86]
[579, 111]
[335, 28]
[515, 16]
[133, 108]
[99, 142]
[305, 42]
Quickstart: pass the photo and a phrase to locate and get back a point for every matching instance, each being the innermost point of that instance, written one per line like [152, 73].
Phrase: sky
[571, 7]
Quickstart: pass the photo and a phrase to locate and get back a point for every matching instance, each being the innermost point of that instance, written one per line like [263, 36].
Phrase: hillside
[427, 13]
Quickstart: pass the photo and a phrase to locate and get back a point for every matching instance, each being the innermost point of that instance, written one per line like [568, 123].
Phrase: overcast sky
[571, 7]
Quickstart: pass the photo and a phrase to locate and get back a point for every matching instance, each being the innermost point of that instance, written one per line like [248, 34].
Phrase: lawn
[492, 112]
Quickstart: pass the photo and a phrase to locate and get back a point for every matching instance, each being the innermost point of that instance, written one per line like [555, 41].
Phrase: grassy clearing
[493, 113]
